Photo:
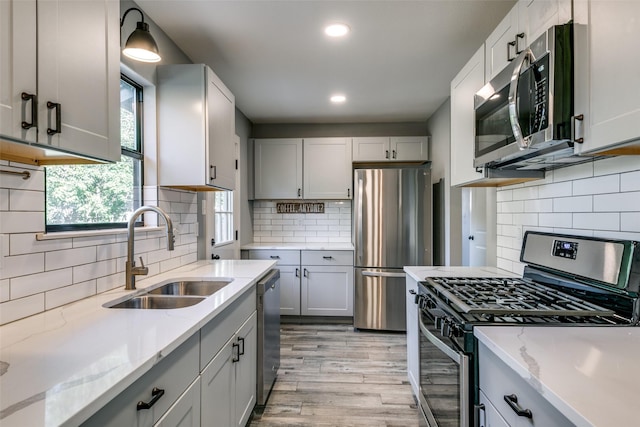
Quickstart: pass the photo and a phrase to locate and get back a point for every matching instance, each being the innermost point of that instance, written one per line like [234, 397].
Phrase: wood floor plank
[331, 375]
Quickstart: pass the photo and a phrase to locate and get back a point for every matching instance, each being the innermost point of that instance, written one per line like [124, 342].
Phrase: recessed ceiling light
[337, 30]
[338, 99]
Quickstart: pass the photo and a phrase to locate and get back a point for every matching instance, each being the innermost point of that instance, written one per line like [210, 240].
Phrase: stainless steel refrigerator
[392, 228]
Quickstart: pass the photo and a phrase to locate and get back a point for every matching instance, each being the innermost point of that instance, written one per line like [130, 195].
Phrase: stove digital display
[565, 249]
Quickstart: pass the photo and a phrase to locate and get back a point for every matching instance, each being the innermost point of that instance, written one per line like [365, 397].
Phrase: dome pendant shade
[141, 46]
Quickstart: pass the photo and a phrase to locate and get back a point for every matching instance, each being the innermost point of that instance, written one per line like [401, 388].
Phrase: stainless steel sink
[186, 287]
[158, 302]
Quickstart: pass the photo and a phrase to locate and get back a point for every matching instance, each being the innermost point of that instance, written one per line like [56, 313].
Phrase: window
[101, 196]
[223, 217]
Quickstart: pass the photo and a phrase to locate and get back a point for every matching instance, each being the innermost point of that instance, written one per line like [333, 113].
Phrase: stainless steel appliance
[525, 115]
[567, 281]
[268, 311]
[392, 228]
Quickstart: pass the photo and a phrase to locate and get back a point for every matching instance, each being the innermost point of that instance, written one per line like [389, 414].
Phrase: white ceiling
[395, 65]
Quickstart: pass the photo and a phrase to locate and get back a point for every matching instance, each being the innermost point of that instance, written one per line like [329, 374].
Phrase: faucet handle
[141, 262]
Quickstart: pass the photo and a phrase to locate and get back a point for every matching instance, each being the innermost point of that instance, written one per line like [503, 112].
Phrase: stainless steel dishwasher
[268, 303]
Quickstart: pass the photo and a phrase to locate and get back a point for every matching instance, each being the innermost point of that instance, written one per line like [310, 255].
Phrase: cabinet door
[606, 34]
[489, 415]
[218, 388]
[278, 168]
[410, 148]
[371, 149]
[246, 371]
[498, 50]
[221, 130]
[81, 74]
[17, 67]
[289, 290]
[327, 291]
[537, 16]
[327, 168]
[463, 87]
[186, 411]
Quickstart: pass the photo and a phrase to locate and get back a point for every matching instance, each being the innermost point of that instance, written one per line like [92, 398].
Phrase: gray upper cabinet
[278, 168]
[196, 124]
[295, 168]
[607, 65]
[395, 148]
[59, 90]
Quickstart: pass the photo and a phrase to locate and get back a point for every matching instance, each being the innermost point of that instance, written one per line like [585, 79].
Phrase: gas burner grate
[511, 298]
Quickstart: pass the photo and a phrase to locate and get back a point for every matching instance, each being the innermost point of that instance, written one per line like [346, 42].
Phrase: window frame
[127, 152]
[229, 213]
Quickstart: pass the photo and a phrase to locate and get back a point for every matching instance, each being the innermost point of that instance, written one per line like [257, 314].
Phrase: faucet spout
[131, 269]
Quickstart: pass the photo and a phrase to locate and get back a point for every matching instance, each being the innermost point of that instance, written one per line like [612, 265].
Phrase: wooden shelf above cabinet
[38, 155]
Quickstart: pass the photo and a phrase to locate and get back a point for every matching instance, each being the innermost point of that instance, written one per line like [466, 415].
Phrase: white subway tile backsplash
[597, 221]
[4, 199]
[21, 265]
[616, 165]
[41, 282]
[630, 221]
[21, 222]
[560, 189]
[21, 308]
[512, 207]
[538, 205]
[584, 170]
[62, 296]
[94, 270]
[525, 193]
[26, 243]
[555, 220]
[504, 195]
[630, 181]
[4, 290]
[618, 202]
[525, 219]
[21, 200]
[573, 204]
[113, 281]
[597, 185]
[69, 257]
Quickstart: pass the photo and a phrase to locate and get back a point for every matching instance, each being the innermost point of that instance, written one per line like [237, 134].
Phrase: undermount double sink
[178, 294]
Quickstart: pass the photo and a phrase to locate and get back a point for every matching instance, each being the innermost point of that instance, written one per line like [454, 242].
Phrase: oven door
[444, 377]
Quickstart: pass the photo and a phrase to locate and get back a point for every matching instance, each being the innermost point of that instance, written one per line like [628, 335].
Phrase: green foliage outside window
[106, 194]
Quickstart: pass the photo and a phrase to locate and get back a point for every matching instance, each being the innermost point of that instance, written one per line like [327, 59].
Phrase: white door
[289, 290]
[185, 412]
[479, 226]
[369, 149]
[501, 44]
[246, 371]
[218, 388]
[221, 130]
[327, 291]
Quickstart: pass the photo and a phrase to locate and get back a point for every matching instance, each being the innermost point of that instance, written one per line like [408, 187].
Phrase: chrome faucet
[131, 270]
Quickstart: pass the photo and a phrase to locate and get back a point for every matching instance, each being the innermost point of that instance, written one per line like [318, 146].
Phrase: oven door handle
[523, 143]
[450, 352]
[459, 358]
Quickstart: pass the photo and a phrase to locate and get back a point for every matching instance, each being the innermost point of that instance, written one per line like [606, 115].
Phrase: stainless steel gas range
[567, 281]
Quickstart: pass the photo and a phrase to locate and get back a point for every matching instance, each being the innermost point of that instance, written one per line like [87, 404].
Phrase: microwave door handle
[523, 144]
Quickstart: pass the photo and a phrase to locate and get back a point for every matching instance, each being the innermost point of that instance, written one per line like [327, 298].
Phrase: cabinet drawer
[498, 380]
[216, 333]
[282, 257]
[327, 258]
[173, 374]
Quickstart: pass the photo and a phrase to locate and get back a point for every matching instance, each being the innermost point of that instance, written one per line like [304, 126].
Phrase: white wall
[600, 199]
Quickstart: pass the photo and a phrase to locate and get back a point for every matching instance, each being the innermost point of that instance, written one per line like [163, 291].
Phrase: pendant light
[140, 45]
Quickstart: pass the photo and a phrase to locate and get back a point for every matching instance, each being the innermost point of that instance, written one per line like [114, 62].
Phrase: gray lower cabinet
[499, 384]
[312, 282]
[209, 380]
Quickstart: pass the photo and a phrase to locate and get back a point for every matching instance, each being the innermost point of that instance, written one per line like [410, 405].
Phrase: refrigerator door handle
[382, 274]
[359, 224]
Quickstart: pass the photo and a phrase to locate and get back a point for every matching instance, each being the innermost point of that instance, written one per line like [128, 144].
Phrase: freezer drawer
[379, 301]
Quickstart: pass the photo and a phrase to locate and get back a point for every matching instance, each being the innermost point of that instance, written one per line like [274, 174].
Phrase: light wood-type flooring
[332, 376]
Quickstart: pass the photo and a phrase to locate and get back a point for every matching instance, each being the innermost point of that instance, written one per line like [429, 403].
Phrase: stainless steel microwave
[524, 117]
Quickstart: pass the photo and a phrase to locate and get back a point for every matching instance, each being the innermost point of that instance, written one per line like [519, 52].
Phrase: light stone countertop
[300, 246]
[589, 373]
[61, 366]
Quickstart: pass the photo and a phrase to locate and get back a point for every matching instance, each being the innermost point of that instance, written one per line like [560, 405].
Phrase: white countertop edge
[299, 246]
[30, 333]
[547, 393]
